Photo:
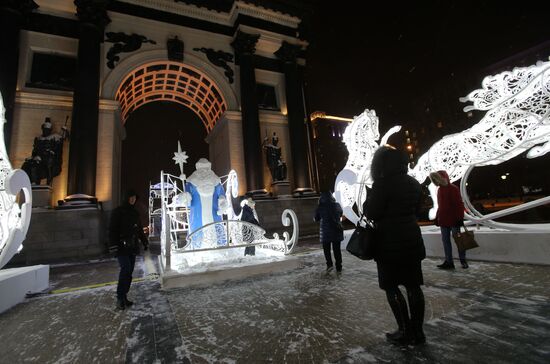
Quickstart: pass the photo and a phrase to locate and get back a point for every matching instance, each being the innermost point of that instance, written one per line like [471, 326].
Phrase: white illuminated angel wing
[14, 218]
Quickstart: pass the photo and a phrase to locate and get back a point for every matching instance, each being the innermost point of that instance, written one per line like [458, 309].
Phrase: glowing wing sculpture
[14, 220]
[517, 105]
[361, 138]
[517, 120]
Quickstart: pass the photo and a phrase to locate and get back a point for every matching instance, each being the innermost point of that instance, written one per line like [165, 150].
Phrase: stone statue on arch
[47, 152]
[274, 158]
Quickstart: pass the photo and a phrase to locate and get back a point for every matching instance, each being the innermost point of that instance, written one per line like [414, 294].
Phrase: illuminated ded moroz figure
[205, 196]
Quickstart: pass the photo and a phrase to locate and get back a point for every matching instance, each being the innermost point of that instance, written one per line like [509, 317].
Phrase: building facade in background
[329, 151]
[236, 64]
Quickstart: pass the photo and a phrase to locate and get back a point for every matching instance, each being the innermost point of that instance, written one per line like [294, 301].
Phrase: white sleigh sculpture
[517, 120]
[176, 240]
[14, 219]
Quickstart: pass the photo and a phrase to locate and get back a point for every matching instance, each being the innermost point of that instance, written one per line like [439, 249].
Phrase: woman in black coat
[392, 204]
[329, 213]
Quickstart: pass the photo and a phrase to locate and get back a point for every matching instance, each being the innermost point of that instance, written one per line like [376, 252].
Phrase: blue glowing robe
[204, 210]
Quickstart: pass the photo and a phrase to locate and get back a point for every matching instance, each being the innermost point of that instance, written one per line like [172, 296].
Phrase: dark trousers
[337, 253]
[448, 246]
[126, 263]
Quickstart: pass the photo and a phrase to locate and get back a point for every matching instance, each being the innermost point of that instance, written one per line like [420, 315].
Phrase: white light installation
[213, 241]
[361, 138]
[14, 219]
[517, 106]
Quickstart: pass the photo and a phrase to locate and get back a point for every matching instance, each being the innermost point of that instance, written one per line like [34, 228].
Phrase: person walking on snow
[331, 232]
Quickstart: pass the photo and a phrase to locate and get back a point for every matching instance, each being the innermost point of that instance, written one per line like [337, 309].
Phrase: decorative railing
[229, 234]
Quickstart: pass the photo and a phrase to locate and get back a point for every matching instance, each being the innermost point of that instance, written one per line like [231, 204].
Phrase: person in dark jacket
[393, 204]
[331, 233]
[449, 216]
[125, 234]
[249, 215]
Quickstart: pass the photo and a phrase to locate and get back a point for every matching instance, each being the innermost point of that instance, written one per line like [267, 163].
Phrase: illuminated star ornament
[180, 157]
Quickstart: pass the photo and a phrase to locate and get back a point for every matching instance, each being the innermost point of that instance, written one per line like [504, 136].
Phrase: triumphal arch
[87, 65]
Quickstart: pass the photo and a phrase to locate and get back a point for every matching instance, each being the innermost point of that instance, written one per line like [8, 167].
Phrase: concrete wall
[269, 213]
[63, 235]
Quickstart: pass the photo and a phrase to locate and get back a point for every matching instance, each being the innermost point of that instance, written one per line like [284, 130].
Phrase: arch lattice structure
[171, 81]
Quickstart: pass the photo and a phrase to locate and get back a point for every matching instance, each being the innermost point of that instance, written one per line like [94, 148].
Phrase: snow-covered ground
[488, 313]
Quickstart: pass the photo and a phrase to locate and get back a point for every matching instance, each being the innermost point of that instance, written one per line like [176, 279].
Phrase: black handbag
[362, 242]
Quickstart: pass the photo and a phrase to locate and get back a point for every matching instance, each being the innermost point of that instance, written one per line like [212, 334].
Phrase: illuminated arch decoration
[517, 120]
[172, 81]
[14, 219]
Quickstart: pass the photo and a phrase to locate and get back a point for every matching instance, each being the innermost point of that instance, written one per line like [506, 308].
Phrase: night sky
[406, 60]
[411, 62]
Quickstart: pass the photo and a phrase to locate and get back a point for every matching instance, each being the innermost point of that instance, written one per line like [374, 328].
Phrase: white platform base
[15, 283]
[174, 279]
[496, 246]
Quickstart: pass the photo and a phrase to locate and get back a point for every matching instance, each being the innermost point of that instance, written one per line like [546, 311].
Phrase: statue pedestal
[41, 196]
[281, 189]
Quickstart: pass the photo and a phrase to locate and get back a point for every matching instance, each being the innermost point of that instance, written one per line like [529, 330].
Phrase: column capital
[93, 12]
[245, 43]
[288, 52]
[21, 6]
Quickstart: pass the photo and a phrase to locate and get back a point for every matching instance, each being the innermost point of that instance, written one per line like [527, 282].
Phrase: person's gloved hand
[459, 223]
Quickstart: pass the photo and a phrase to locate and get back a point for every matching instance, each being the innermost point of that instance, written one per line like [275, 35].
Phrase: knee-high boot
[398, 306]
[416, 305]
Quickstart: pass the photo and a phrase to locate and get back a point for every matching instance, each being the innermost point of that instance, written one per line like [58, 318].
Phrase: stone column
[245, 46]
[296, 117]
[12, 15]
[83, 146]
